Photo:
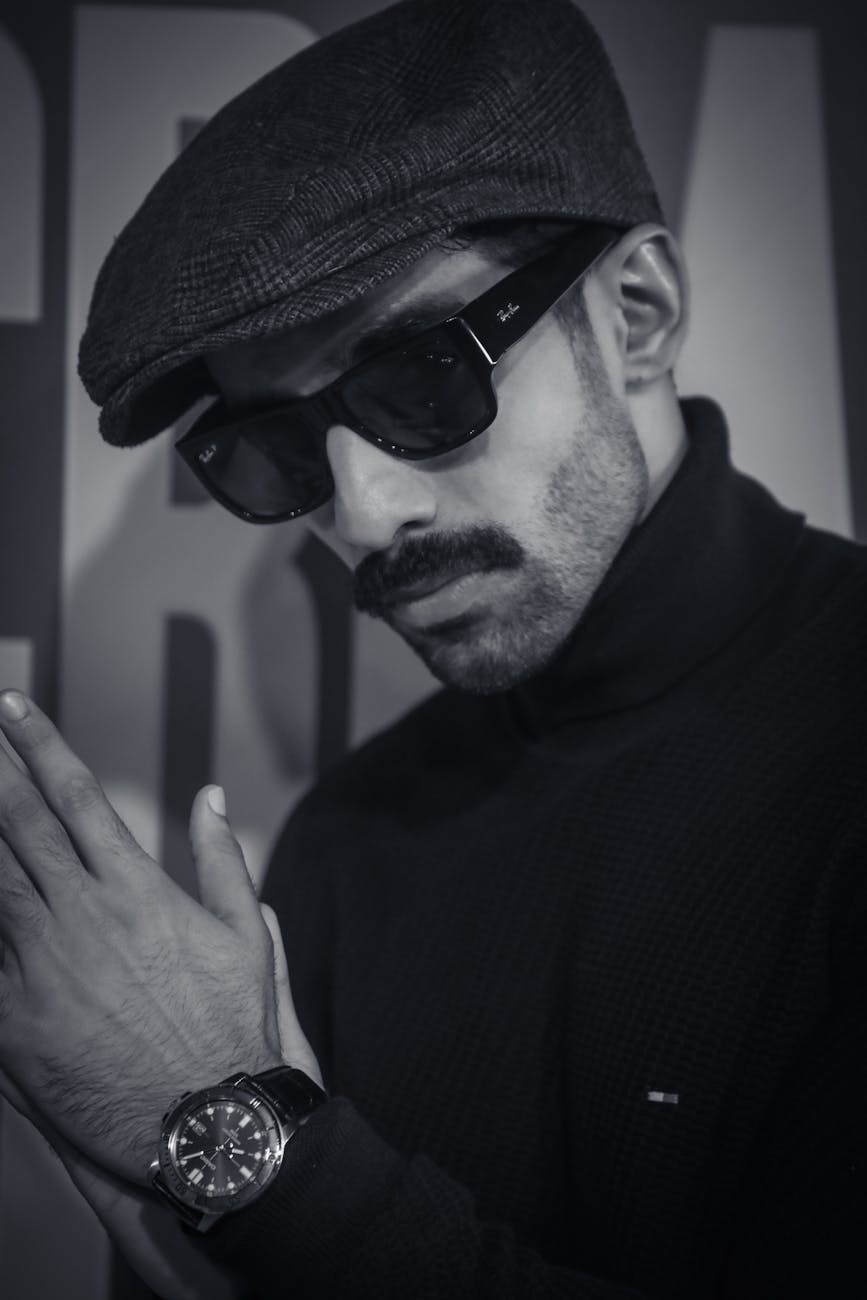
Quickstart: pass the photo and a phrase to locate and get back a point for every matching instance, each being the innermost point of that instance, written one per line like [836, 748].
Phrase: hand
[141, 1225]
[118, 991]
[142, 1228]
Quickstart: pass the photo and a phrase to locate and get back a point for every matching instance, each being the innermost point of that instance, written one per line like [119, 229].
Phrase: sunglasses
[421, 398]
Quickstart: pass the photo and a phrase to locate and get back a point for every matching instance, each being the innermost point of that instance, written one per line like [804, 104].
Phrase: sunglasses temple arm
[509, 310]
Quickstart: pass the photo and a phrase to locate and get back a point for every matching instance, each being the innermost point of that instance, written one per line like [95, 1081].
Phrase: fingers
[285, 1005]
[24, 916]
[63, 793]
[225, 887]
[33, 838]
[293, 1042]
[33, 834]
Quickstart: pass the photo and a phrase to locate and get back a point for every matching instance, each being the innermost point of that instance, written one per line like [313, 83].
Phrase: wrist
[220, 1147]
[140, 1152]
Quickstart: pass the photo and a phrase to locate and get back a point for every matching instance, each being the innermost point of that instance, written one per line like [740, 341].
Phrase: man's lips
[419, 590]
[388, 581]
[427, 604]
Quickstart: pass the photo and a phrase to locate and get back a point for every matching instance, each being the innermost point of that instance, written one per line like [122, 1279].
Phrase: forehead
[437, 286]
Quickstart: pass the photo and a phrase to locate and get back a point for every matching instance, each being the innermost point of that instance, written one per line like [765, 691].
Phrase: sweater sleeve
[348, 1218]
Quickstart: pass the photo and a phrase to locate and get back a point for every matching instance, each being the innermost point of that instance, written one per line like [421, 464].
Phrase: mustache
[432, 559]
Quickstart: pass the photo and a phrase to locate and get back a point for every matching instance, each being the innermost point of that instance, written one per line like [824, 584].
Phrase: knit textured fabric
[341, 168]
[585, 963]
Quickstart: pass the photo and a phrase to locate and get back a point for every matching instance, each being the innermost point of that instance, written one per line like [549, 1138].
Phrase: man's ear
[644, 277]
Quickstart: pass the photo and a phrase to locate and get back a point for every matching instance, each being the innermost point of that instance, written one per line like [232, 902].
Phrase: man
[576, 947]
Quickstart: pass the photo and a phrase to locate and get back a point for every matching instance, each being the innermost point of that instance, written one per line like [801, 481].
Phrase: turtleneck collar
[704, 560]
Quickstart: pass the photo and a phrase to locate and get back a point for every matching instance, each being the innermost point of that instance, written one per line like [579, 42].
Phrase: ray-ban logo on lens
[208, 454]
[506, 313]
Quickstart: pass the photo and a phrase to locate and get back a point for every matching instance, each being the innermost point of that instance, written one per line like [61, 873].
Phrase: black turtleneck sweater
[585, 964]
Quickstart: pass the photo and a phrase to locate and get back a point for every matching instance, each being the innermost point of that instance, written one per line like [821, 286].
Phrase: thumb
[293, 1042]
[225, 887]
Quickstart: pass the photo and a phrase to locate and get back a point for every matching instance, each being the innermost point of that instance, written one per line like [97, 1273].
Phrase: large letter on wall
[132, 559]
[757, 235]
[21, 162]
[21, 159]
[34, 1189]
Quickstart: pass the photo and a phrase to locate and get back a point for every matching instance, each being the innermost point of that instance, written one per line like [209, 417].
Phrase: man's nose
[375, 494]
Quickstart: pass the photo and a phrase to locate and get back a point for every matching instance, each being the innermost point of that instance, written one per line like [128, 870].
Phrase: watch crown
[177, 1101]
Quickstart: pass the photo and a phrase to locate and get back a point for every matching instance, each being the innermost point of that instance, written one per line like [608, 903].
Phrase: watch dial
[220, 1147]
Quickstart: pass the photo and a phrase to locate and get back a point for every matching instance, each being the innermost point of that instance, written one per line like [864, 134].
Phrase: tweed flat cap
[341, 168]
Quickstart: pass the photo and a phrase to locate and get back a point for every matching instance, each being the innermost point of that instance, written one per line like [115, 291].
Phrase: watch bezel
[277, 1129]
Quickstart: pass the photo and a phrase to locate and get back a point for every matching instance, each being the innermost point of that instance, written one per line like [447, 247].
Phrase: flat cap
[341, 168]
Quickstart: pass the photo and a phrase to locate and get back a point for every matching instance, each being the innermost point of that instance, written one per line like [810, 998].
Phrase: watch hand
[191, 1156]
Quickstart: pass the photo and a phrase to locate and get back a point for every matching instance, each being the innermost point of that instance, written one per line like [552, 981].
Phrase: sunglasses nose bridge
[332, 409]
[314, 413]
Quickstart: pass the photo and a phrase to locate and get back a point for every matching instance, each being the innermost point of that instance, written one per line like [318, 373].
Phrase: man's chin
[466, 654]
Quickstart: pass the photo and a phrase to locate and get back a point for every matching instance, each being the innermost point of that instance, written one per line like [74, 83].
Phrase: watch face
[221, 1147]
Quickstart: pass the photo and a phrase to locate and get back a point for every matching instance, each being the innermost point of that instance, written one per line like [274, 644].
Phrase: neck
[683, 586]
[659, 425]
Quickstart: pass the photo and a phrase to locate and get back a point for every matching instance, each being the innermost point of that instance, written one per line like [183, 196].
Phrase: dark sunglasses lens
[423, 398]
[266, 465]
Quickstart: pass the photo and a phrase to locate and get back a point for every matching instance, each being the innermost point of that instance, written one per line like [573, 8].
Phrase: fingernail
[217, 800]
[14, 706]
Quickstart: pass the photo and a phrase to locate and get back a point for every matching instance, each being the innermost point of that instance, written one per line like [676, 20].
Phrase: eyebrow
[384, 331]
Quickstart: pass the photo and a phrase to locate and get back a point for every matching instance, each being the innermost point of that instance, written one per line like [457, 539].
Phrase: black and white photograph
[433, 650]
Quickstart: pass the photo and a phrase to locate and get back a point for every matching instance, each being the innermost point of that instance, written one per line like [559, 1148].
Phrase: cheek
[540, 406]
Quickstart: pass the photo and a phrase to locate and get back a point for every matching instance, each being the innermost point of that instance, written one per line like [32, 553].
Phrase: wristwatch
[221, 1147]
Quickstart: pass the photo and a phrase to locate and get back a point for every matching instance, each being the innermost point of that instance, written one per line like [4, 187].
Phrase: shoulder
[819, 616]
[828, 562]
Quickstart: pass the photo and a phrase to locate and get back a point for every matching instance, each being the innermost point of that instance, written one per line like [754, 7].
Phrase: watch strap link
[291, 1089]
